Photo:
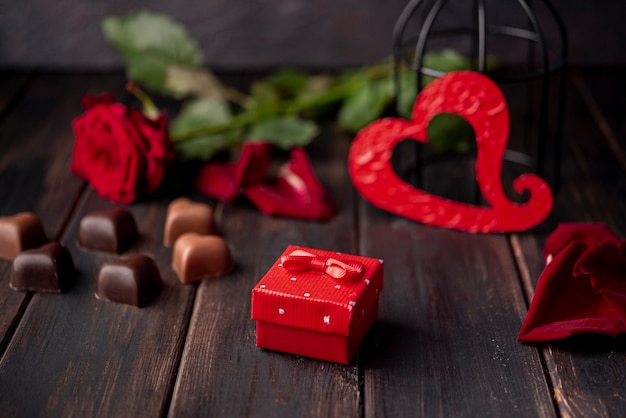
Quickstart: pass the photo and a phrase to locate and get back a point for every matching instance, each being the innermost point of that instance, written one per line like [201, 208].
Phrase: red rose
[119, 151]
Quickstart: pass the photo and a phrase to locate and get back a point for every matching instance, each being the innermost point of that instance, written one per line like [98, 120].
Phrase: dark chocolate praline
[132, 281]
[113, 230]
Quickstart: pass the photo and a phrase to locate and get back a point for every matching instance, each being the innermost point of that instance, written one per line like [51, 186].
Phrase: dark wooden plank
[603, 95]
[11, 84]
[222, 373]
[446, 335]
[446, 340]
[92, 358]
[587, 373]
[84, 357]
[35, 154]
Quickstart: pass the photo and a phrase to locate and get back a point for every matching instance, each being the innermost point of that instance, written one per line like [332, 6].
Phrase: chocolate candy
[198, 257]
[48, 269]
[112, 231]
[132, 281]
[183, 216]
[20, 232]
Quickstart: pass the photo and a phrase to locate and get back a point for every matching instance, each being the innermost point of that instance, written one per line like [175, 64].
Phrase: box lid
[313, 299]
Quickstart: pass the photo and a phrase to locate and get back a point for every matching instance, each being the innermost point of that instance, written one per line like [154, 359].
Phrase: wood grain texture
[35, 153]
[445, 342]
[222, 372]
[446, 335]
[603, 95]
[88, 357]
[11, 84]
[587, 372]
[85, 357]
[450, 313]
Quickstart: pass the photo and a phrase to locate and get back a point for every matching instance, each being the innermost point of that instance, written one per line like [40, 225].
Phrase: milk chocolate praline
[113, 230]
[48, 269]
[184, 216]
[20, 232]
[131, 281]
[198, 257]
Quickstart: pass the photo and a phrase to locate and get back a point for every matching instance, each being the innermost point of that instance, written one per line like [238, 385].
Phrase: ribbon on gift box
[300, 260]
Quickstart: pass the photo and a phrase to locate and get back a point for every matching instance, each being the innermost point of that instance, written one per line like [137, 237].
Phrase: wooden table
[445, 342]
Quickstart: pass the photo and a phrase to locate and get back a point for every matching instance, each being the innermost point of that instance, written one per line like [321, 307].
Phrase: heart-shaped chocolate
[133, 281]
[47, 269]
[112, 230]
[20, 232]
[481, 103]
[183, 216]
[198, 257]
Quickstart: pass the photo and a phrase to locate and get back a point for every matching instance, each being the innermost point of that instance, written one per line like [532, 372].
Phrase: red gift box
[317, 303]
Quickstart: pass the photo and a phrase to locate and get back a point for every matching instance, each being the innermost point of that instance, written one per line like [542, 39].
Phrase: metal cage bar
[479, 32]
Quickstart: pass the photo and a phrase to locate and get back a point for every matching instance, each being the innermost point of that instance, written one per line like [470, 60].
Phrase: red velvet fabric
[588, 233]
[583, 287]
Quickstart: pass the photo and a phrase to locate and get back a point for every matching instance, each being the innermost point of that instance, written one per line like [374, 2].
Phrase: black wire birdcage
[541, 71]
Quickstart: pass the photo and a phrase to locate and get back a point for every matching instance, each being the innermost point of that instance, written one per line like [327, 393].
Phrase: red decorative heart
[479, 100]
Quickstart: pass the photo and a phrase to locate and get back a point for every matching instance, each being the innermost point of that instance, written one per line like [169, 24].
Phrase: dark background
[260, 34]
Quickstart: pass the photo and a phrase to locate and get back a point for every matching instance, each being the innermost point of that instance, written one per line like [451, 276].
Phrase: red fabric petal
[297, 192]
[583, 289]
[224, 180]
[606, 263]
[565, 304]
[588, 233]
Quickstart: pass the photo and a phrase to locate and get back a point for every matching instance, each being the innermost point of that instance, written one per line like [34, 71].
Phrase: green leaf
[264, 101]
[446, 60]
[203, 147]
[448, 132]
[288, 82]
[184, 81]
[150, 43]
[284, 132]
[197, 114]
[366, 104]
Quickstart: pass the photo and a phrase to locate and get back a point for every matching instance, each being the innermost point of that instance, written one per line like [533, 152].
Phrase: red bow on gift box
[300, 260]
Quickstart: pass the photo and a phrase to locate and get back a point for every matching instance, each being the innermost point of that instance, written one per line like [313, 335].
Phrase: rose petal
[153, 139]
[606, 263]
[588, 233]
[297, 192]
[565, 304]
[224, 180]
[89, 101]
[108, 151]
